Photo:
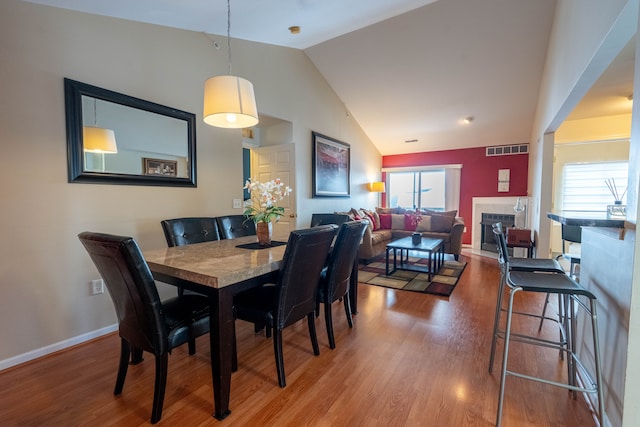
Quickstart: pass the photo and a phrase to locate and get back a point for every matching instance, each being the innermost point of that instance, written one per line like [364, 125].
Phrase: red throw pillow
[410, 222]
[372, 221]
[385, 221]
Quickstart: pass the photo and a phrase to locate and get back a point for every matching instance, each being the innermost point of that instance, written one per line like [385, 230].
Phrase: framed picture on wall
[159, 167]
[331, 167]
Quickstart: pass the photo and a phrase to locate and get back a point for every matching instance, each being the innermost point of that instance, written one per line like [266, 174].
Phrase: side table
[521, 238]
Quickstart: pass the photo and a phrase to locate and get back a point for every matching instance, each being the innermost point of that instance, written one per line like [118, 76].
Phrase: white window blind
[584, 186]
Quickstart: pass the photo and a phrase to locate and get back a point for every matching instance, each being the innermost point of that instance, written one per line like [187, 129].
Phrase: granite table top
[216, 264]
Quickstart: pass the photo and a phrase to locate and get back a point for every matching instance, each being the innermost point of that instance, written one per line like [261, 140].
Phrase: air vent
[507, 150]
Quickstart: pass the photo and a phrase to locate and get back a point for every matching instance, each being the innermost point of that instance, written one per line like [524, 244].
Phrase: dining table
[221, 269]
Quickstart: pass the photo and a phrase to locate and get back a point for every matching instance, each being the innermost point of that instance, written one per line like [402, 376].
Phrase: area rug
[443, 283]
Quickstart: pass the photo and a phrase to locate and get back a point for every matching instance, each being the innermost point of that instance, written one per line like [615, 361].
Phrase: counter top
[585, 219]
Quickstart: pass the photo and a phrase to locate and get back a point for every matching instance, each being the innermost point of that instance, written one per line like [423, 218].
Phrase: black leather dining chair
[190, 230]
[186, 231]
[145, 323]
[233, 226]
[336, 276]
[328, 218]
[293, 297]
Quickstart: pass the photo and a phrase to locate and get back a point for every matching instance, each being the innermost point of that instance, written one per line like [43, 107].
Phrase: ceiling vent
[507, 150]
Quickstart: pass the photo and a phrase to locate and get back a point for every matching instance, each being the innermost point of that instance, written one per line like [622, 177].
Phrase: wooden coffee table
[433, 250]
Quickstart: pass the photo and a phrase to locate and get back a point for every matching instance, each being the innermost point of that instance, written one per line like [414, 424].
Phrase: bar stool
[569, 293]
[573, 296]
[508, 263]
[571, 240]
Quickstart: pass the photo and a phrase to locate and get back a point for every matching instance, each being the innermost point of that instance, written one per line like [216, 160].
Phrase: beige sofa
[434, 224]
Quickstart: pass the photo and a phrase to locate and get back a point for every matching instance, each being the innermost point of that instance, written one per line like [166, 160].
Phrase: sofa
[388, 224]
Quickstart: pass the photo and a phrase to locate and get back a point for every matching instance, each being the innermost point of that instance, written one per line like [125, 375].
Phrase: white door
[278, 161]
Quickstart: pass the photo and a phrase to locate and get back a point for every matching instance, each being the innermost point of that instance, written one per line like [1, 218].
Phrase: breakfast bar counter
[585, 219]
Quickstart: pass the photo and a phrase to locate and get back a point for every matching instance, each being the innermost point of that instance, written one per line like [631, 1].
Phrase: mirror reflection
[139, 135]
[124, 140]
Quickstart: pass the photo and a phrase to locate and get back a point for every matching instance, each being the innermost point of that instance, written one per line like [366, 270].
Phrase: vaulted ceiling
[406, 70]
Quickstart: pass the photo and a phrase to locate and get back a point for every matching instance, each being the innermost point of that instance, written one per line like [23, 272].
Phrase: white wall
[587, 36]
[44, 271]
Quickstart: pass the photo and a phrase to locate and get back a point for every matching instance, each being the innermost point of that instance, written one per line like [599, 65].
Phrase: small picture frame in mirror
[159, 167]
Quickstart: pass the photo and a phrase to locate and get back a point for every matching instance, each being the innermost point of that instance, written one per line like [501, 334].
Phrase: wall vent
[507, 150]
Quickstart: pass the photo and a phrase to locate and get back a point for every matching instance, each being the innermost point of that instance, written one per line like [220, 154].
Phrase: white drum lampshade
[98, 140]
[229, 102]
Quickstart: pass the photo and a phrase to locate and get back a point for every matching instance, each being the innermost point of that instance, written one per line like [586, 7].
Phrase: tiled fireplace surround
[497, 205]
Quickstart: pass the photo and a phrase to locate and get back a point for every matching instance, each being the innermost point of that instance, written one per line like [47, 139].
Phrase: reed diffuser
[617, 210]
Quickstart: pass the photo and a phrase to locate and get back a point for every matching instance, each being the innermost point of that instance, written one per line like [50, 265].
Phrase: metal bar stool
[571, 240]
[508, 263]
[571, 234]
[571, 293]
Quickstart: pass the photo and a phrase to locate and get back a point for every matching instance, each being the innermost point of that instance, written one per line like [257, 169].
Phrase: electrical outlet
[97, 287]
[237, 204]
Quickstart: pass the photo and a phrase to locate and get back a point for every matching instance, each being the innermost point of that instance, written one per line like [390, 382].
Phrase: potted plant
[262, 206]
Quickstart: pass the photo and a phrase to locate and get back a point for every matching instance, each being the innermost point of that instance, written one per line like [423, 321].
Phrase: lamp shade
[98, 140]
[229, 102]
[377, 187]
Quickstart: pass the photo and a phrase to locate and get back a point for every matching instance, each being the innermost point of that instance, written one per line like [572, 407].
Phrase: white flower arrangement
[262, 207]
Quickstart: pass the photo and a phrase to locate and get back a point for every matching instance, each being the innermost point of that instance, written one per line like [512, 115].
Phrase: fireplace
[487, 239]
[501, 209]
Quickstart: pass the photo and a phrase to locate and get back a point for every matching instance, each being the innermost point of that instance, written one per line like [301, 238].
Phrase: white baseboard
[43, 351]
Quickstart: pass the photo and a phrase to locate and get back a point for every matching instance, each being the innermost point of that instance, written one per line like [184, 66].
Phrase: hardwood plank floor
[410, 360]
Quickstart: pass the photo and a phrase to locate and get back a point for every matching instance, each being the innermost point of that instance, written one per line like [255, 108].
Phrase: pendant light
[96, 139]
[229, 101]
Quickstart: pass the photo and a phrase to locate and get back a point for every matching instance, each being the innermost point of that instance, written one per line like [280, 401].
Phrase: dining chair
[145, 323]
[328, 218]
[233, 226]
[293, 296]
[186, 231]
[336, 276]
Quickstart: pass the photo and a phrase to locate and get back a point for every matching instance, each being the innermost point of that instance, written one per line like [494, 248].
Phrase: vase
[263, 231]
[617, 210]
[416, 238]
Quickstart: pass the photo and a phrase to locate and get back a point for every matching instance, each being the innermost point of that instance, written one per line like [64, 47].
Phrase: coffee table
[433, 250]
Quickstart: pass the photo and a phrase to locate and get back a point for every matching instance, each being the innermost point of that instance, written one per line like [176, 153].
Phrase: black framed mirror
[149, 143]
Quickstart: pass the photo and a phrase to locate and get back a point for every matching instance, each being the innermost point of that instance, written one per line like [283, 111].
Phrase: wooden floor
[410, 360]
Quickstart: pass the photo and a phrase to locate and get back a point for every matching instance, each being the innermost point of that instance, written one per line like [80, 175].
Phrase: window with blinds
[425, 189]
[584, 185]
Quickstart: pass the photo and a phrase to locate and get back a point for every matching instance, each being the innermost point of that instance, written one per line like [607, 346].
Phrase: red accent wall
[478, 177]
